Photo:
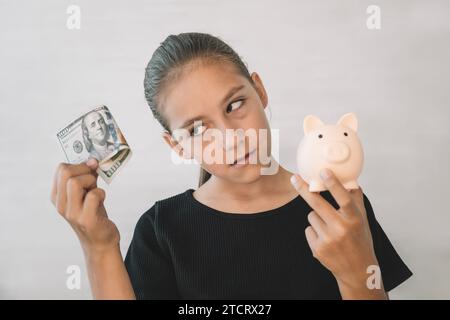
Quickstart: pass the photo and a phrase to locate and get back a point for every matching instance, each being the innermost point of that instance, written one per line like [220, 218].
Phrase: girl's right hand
[77, 198]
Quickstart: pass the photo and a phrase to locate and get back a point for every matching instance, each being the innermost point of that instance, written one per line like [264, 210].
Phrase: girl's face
[203, 102]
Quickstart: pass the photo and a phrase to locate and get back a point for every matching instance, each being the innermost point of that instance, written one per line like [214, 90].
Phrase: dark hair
[168, 61]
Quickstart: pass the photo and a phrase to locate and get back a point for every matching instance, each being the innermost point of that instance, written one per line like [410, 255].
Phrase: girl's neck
[264, 185]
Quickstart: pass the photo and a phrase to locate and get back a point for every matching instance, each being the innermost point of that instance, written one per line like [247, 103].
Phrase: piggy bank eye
[345, 134]
[320, 136]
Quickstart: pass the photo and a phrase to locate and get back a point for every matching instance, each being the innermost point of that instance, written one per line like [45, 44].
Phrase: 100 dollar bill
[96, 135]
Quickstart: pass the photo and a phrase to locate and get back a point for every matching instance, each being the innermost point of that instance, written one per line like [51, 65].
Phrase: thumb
[92, 163]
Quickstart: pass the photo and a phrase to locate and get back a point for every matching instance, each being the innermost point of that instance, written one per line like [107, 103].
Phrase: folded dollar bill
[96, 135]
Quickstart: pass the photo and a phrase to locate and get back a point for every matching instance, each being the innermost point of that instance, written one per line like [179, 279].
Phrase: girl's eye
[198, 130]
[320, 136]
[345, 134]
[235, 105]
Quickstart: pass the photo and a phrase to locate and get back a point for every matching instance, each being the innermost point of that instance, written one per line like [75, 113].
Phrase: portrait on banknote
[96, 135]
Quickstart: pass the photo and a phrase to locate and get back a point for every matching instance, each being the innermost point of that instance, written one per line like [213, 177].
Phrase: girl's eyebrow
[189, 121]
[230, 93]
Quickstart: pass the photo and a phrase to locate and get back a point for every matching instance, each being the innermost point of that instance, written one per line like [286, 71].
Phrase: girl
[241, 234]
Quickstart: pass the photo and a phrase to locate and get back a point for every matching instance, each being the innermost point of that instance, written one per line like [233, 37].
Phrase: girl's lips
[246, 157]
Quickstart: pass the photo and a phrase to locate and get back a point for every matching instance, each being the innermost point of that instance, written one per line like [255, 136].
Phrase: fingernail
[294, 181]
[91, 162]
[325, 174]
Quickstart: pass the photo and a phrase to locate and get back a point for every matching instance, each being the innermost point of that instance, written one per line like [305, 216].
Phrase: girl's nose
[233, 139]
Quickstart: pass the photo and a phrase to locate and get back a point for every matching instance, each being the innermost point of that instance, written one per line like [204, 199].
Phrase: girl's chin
[244, 172]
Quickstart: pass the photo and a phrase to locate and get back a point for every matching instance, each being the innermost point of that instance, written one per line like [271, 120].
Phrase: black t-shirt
[183, 249]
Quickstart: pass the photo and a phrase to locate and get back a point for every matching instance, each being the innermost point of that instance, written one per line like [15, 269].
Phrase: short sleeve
[150, 270]
[393, 270]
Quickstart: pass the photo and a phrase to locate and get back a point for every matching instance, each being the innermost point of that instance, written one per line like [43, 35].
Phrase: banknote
[96, 135]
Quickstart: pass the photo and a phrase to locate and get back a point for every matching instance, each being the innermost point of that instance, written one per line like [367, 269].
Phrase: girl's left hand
[340, 239]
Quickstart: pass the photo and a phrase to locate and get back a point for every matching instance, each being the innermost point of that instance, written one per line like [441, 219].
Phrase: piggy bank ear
[310, 123]
[349, 120]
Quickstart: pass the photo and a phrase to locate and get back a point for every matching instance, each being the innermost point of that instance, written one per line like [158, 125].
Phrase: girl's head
[195, 82]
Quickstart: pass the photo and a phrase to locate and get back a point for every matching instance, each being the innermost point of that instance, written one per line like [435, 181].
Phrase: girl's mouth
[242, 161]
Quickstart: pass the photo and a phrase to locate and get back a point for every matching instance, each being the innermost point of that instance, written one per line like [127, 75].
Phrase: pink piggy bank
[336, 147]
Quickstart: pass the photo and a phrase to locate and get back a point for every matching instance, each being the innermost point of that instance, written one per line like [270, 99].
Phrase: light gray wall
[313, 56]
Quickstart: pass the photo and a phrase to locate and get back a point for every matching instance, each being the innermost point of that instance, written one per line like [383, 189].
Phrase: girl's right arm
[77, 198]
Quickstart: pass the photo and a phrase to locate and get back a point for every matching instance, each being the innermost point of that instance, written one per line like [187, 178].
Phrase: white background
[313, 56]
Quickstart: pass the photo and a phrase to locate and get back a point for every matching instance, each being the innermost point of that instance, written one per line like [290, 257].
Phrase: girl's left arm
[341, 239]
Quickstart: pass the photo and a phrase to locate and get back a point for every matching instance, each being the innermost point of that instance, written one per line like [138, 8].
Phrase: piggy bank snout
[336, 152]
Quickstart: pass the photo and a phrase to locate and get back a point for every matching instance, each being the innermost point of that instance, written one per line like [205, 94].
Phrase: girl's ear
[174, 145]
[259, 86]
